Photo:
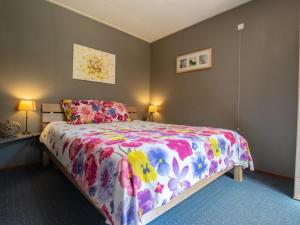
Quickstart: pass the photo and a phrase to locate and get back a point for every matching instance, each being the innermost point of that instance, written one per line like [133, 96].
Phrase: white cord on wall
[240, 28]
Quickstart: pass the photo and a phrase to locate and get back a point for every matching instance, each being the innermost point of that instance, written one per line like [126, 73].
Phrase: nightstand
[22, 150]
[19, 137]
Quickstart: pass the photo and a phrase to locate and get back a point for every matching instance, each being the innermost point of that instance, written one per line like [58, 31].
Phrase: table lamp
[151, 110]
[26, 105]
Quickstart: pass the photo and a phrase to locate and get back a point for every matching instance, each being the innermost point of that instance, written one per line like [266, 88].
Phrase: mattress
[129, 168]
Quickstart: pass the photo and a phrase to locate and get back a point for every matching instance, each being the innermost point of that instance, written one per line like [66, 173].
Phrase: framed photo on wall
[194, 61]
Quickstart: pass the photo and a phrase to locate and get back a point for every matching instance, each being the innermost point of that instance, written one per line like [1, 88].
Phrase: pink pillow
[114, 111]
[83, 111]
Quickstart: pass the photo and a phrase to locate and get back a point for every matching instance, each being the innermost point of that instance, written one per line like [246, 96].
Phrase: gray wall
[269, 65]
[36, 51]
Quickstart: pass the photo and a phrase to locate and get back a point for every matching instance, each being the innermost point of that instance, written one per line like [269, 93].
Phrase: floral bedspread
[130, 168]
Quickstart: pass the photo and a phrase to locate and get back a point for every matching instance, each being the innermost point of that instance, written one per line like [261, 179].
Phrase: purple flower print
[78, 164]
[158, 157]
[228, 158]
[106, 182]
[194, 146]
[112, 112]
[199, 165]
[126, 217]
[222, 145]
[244, 156]
[209, 151]
[177, 184]
[213, 167]
[145, 202]
[95, 107]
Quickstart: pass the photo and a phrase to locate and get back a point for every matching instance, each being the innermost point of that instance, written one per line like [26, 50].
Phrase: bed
[135, 171]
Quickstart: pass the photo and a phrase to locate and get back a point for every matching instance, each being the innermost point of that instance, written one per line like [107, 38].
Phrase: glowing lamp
[152, 109]
[26, 105]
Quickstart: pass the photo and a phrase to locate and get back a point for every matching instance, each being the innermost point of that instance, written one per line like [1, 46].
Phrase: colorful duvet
[129, 168]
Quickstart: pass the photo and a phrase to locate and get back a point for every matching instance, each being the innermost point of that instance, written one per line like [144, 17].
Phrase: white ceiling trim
[149, 20]
[94, 18]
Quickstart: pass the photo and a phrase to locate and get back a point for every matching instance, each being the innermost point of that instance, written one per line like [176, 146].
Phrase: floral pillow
[114, 111]
[83, 111]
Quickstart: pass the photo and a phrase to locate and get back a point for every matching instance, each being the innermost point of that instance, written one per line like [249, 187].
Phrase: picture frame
[198, 60]
[93, 65]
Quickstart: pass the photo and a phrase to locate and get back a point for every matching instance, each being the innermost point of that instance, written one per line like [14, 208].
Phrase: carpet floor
[46, 197]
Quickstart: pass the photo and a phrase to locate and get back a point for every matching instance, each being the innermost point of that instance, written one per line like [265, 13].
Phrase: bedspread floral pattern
[114, 111]
[94, 111]
[129, 168]
[83, 111]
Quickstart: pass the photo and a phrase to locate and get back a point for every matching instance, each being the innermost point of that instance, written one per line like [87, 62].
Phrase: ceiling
[149, 20]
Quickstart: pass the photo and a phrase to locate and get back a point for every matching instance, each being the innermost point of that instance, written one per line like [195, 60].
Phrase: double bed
[135, 171]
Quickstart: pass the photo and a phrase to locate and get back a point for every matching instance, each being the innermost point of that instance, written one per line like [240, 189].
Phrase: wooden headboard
[53, 112]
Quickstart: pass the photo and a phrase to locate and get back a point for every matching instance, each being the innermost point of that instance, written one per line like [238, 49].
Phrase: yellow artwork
[93, 65]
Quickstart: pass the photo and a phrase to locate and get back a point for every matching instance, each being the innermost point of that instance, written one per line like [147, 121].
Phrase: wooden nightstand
[23, 150]
[19, 137]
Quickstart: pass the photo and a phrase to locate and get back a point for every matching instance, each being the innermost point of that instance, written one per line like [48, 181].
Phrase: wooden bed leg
[238, 173]
[45, 159]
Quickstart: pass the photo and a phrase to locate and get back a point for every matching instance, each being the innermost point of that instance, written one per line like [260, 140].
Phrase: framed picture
[194, 61]
[93, 65]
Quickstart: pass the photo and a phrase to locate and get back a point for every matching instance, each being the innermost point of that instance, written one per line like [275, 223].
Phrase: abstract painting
[93, 65]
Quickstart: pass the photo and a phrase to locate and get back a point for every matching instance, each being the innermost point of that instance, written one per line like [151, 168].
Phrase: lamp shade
[152, 109]
[27, 105]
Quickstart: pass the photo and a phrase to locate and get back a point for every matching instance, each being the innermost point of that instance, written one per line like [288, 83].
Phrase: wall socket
[241, 26]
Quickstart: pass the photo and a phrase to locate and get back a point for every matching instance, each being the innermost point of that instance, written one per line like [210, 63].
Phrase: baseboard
[274, 174]
[296, 197]
[297, 189]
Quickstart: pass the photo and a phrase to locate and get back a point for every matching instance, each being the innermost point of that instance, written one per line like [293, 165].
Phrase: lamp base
[150, 117]
[26, 132]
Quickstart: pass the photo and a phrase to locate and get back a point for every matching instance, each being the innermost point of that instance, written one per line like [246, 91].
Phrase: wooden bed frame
[54, 112]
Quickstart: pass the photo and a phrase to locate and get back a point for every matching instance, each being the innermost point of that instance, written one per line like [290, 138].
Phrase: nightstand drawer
[20, 151]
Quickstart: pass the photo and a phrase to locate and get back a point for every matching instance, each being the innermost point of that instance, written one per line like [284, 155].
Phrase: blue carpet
[45, 197]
